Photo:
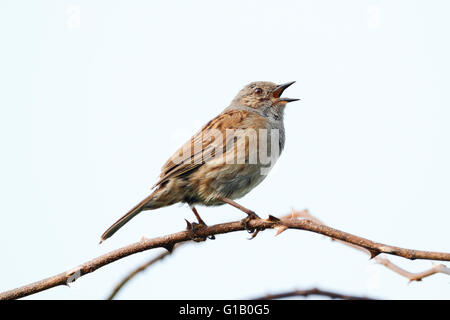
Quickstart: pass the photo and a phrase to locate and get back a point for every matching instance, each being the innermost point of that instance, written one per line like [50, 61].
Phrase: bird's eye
[258, 91]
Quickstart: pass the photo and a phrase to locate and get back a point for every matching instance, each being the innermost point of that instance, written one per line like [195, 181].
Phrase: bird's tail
[144, 204]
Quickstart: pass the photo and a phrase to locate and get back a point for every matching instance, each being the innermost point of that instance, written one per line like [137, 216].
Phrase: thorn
[271, 218]
[412, 280]
[143, 238]
[188, 225]
[373, 254]
[169, 247]
[73, 275]
[280, 229]
[101, 241]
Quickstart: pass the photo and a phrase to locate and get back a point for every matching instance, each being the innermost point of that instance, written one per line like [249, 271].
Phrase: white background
[95, 96]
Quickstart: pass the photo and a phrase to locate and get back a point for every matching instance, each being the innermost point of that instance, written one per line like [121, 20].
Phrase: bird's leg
[250, 215]
[249, 212]
[199, 219]
[200, 224]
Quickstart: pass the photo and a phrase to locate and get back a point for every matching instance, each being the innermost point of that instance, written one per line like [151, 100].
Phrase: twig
[169, 241]
[411, 276]
[136, 271]
[310, 292]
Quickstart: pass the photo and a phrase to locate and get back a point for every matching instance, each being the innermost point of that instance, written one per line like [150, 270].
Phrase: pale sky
[95, 96]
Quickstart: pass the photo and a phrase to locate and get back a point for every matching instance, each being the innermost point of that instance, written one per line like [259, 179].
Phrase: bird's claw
[245, 222]
[193, 227]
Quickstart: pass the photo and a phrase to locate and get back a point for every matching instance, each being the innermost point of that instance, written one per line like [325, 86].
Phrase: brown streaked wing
[180, 163]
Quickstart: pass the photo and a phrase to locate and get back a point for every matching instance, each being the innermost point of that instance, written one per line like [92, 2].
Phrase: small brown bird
[226, 159]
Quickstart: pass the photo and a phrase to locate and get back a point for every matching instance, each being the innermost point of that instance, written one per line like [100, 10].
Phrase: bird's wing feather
[200, 148]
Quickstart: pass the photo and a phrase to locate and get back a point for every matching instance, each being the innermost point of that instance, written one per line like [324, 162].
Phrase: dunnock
[226, 159]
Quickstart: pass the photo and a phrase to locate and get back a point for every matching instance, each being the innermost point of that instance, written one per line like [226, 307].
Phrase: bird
[224, 160]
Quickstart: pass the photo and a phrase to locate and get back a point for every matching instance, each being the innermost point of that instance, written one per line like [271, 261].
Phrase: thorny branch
[306, 215]
[411, 276]
[257, 224]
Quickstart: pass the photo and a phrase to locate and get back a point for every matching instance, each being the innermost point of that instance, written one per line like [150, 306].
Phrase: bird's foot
[194, 227]
[245, 222]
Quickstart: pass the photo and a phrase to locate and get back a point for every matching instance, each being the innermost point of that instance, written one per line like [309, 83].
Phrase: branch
[411, 276]
[310, 292]
[298, 214]
[170, 240]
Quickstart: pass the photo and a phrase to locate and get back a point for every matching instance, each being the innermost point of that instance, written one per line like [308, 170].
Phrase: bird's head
[262, 94]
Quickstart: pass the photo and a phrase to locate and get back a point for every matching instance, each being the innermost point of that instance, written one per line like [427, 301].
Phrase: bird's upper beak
[278, 91]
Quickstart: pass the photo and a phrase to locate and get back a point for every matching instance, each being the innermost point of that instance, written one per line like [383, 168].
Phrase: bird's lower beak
[279, 91]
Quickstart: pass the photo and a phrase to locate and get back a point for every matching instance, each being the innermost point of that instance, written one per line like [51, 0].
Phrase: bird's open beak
[279, 91]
